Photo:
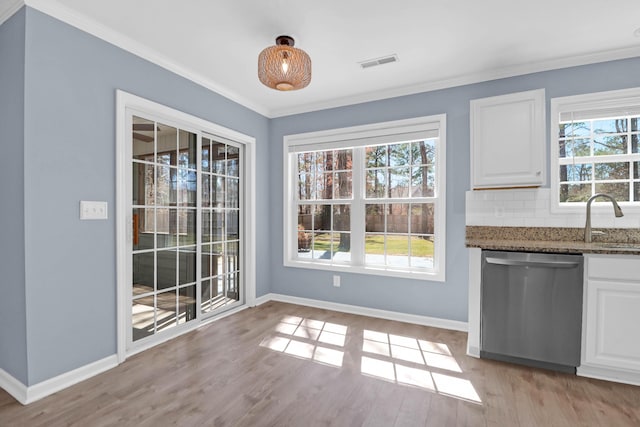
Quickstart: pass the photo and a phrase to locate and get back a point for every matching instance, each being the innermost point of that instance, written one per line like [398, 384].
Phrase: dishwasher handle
[532, 263]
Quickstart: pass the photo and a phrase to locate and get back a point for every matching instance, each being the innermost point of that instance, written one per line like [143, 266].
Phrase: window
[595, 140]
[368, 199]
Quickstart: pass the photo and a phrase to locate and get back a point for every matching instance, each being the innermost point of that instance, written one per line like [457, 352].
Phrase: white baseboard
[12, 386]
[26, 395]
[365, 311]
[609, 374]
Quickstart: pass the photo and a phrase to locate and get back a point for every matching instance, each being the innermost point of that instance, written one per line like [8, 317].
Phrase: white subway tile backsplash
[531, 208]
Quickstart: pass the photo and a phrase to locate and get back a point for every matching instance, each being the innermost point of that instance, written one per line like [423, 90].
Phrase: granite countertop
[553, 240]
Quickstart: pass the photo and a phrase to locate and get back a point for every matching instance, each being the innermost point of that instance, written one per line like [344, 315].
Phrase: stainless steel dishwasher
[531, 309]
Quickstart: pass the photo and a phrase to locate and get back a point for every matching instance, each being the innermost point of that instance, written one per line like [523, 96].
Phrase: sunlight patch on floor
[411, 361]
[309, 339]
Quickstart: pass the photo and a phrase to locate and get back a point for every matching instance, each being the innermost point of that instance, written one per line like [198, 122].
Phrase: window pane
[305, 217]
[166, 268]
[608, 145]
[232, 257]
[167, 145]
[233, 192]
[342, 247]
[343, 160]
[422, 219]
[143, 268]
[575, 147]
[142, 138]
[206, 191]
[575, 129]
[233, 160]
[206, 226]
[342, 185]
[423, 152]
[399, 154]
[322, 217]
[610, 126]
[186, 304]
[217, 191]
[305, 186]
[577, 172]
[187, 265]
[218, 158]
[374, 248]
[187, 186]
[374, 221]
[167, 234]
[422, 181]
[143, 189]
[166, 315]
[376, 156]
[397, 218]
[636, 170]
[636, 191]
[634, 143]
[399, 179]
[233, 225]
[217, 265]
[341, 218]
[187, 224]
[612, 171]
[619, 190]
[322, 243]
[164, 191]
[217, 226]
[326, 186]
[187, 149]
[206, 261]
[422, 251]
[376, 183]
[143, 228]
[575, 192]
[398, 250]
[305, 162]
[206, 154]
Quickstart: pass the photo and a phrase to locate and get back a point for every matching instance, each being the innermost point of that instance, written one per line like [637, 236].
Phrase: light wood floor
[287, 365]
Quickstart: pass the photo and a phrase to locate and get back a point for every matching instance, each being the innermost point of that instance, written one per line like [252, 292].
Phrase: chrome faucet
[616, 210]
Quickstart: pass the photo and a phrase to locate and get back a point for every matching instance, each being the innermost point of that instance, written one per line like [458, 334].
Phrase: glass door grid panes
[186, 234]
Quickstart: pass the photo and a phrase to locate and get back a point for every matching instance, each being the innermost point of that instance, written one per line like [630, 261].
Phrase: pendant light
[284, 67]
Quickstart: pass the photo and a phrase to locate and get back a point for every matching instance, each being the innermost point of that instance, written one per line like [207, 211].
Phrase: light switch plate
[93, 210]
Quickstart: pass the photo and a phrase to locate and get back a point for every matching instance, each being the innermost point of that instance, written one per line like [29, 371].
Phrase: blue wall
[13, 327]
[443, 300]
[71, 82]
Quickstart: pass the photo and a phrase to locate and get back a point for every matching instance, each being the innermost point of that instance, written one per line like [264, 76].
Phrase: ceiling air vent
[378, 61]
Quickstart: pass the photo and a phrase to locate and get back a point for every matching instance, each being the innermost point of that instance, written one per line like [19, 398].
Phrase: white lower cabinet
[611, 319]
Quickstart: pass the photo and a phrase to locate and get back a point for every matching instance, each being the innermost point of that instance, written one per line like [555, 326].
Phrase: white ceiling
[439, 43]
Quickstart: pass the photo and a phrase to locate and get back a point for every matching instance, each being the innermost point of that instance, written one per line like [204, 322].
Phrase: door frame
[125, 104]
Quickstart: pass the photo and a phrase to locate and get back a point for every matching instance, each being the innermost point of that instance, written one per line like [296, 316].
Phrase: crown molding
[9, 8]
[58, 11]
[495, 74]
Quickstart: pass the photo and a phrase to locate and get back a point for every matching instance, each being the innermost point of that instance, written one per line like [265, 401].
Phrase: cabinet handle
[538, 173]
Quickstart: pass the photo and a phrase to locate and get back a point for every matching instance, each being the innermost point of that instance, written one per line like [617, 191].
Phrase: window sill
[376, 271]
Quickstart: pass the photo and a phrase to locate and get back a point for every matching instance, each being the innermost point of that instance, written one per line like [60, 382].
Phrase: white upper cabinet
[508, 140]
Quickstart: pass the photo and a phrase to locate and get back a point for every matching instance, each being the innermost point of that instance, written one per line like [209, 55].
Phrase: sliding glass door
[186, 231]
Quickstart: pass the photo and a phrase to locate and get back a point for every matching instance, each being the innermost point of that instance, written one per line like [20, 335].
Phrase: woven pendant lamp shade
[284, 67]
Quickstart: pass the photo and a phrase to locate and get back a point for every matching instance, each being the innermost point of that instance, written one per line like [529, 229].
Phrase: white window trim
[361, 136]
[125, 104]
[615, 99]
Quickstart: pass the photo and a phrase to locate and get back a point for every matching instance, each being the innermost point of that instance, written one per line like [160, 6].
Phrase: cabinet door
[508, 140]
[612, 336]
